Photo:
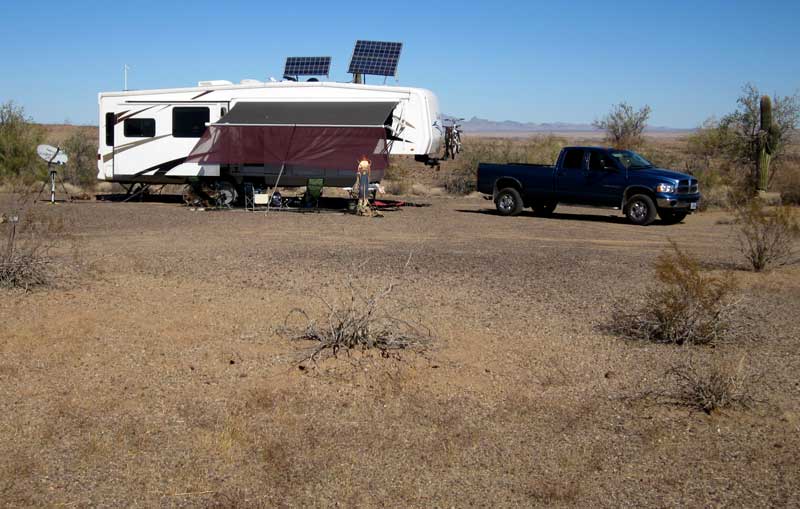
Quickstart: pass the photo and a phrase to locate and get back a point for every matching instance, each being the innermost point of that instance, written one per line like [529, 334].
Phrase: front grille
[687, 186]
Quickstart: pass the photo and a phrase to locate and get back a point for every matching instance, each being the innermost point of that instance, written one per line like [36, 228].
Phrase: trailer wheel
[508, 202]
[226, 194]
[544, 208]
[640, 210]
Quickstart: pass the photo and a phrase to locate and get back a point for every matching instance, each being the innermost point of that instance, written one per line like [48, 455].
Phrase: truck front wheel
[640, 209]
[508, 202]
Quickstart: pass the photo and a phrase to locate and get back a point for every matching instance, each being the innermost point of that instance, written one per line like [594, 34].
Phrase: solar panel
[376, 58]
[307, 66]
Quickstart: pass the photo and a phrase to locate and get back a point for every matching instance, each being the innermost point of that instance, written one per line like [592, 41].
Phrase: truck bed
[530, 176]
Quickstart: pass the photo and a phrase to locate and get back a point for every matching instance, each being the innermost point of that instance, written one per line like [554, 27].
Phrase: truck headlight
[665, 188]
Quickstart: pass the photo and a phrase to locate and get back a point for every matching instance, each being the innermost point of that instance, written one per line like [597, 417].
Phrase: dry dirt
[158, 378]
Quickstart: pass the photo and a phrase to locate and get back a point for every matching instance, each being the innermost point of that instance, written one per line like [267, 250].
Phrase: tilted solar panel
[376, 58]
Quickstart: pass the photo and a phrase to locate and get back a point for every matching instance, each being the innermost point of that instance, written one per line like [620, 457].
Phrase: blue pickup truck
[595, 177]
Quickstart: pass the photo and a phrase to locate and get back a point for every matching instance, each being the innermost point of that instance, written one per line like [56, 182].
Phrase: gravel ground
[157, 377]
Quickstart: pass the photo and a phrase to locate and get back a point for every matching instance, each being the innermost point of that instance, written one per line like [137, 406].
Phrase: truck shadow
[593, 218]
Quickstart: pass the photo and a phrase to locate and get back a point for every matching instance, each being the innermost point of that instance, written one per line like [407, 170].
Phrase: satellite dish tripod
[53, 176]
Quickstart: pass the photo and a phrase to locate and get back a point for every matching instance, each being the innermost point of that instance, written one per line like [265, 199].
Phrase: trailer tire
[508, 202]
[640, 210]
[227, 193]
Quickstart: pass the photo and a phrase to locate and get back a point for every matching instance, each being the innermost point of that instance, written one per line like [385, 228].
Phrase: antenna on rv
[125, 70]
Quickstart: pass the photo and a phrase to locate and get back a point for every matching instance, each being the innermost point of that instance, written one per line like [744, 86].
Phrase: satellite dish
[51, 154]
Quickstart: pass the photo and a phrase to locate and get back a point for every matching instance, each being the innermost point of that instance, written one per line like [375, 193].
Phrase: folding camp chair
[313, 192]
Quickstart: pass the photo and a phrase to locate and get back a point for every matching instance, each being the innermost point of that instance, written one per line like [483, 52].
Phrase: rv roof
[279, 84]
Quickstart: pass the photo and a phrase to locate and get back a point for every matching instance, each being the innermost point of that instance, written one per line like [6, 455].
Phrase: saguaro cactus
[767, 141]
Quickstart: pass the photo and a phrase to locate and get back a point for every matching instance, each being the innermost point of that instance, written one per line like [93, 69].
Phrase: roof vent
[248, 81]
[213, 83]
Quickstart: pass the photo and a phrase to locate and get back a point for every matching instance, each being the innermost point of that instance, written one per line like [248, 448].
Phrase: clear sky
[522, 60]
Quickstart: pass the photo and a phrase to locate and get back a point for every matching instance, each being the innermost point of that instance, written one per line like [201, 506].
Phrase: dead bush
[30, 233]
[688, 306]
[362, 320]
[707, 386]
[767, 237]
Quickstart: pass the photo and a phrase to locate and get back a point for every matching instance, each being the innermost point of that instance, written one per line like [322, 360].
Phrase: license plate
[693, 206]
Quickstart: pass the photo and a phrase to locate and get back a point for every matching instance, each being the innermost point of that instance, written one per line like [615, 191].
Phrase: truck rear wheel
[508, 202]
[640, 209]
[544, 208]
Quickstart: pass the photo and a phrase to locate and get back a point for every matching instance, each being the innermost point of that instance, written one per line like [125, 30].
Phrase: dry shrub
[687, 307]
[397, 187]
[708, 386]
[397, 179]
[362, 320]
[767, 237]
[716, 197]
[24, 260]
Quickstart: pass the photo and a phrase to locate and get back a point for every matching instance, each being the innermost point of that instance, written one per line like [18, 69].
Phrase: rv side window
[140, 127]
[189, 122]
[111, 119]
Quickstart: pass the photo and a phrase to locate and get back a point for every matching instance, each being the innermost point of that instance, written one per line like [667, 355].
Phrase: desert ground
[157, 373]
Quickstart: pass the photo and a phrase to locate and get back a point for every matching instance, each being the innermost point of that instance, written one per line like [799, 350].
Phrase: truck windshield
[631, 160]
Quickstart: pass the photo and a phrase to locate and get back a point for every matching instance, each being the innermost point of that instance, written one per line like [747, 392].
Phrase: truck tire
[640, 209]
[508, 202]
[672, 216]
[544, 209]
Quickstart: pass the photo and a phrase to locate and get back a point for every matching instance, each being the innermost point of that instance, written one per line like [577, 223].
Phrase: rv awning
[308, 135]
[331, 114]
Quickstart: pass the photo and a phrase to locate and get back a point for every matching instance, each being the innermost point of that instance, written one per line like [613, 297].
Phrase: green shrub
[81, 169]
[19, 137]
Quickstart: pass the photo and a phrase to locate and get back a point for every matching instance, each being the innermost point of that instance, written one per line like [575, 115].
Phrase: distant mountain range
[482, 125]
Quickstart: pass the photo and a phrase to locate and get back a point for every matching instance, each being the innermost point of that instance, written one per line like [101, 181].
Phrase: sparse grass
[119, 392]
[767, 237]
[688, 306]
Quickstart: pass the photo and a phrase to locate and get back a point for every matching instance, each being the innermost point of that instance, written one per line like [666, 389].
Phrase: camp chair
[313, 192]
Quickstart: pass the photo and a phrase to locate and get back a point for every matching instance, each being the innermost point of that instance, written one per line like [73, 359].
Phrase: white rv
[147, 136]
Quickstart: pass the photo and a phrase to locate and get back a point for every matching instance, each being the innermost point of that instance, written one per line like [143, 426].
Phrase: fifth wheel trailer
[221, 133]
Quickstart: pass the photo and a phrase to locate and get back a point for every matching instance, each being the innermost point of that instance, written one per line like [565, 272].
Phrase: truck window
[140, 127]
[598, 161]
[189, 122]
[573, 159]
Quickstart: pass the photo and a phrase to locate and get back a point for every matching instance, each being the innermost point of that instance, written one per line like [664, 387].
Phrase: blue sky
[524, 60]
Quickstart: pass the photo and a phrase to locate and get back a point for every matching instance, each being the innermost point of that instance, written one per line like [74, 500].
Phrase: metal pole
[52, 186]
[10, 250]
